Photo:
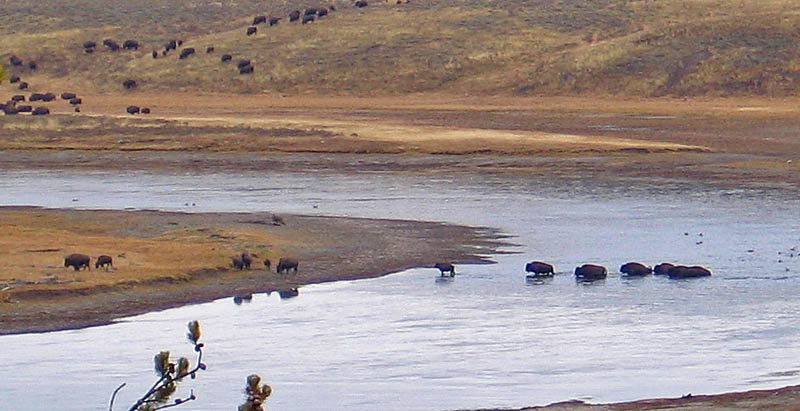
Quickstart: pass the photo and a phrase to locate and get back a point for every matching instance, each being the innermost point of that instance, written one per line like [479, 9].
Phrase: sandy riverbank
[164, 260]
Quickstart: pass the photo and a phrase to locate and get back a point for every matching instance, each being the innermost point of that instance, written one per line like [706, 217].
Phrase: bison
[23, 85]
[8, 109]
[111, 44]
[226, 58]
[154, 54]
[322, 12]
[247, 259]
[75, 101]
[663, 268]
[48, 97]
[14, 79]
[251, 31]
[32, 65]
[591, 272]
[132, 110]
[361, 3]
[172, 45]
[103, 261]
[539, 268]
[77, 261]
[259, 20]
[89, 45]
[445, 268]
[267, 264]
[40, 111]
[273, 21]
[209, 50]
[130, 45]
[88, 51]
[36, 97]
[286, 264]
[129, 84]
[308, 19]
[681, 271]
[18, 97]
[242, 63]
[145, 110]
[294, 16]
[310, 12]
[291, 293]
[186, 53]
[15, 61]
[246, 70]
[633, 269]
[25, 109]
[68, 96]
[237, 263]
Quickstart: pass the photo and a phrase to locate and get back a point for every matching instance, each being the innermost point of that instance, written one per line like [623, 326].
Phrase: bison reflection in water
[239, 299]
[285, 294]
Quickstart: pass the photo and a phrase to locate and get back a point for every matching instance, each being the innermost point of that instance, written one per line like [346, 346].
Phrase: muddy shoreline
[330, 249]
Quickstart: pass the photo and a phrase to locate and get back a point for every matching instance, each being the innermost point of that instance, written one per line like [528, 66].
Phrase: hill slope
[535, 47]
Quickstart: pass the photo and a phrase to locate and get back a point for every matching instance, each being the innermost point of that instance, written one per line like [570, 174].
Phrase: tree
[170, 374]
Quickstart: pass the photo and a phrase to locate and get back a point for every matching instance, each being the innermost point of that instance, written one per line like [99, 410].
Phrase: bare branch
[114, 396]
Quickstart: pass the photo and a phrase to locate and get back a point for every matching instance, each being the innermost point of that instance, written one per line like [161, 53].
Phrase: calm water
[486, 338]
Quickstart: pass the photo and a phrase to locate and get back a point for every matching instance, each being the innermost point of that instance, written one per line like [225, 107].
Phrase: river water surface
[486, 338]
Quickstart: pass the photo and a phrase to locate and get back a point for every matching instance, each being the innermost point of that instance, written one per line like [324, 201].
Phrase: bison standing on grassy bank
[77, 261]
[286, 264]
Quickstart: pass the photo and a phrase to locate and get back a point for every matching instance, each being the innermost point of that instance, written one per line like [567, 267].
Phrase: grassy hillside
[547, 47]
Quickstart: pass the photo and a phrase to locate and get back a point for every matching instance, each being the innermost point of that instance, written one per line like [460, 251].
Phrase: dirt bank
[164, 260]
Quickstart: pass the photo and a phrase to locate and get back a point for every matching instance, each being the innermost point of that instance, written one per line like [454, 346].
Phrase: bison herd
[245, 260]
[15, 105]
[591, 272]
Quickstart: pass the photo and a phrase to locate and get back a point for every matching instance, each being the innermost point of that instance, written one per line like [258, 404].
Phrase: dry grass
[542, 47]
[33, 246]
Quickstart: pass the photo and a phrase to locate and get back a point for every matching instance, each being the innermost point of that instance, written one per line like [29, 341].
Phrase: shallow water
[486, 338]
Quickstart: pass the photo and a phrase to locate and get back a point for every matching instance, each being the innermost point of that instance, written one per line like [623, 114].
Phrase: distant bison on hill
[186, 53]
[361, 3]
[111, 44]
[14, 79]
[226, 58]
[246, 70]
[68, 96]
[273, 21]
[89, 45]
[15, 61]
[308, 19]
[129, 84]
[251, 31]
[40, 111]
[23, 85]
[294, 16]
[132, 110]
[75, 101]
[259, 20]
[130, 45]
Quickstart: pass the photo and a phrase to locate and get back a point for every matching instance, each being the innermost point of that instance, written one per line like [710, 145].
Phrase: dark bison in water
[77, 261]
[539, 268]
[186, 53]
[662, 269]
[591, 272]
[104, 261]
[129, 84]
[286, 264]
[294, 16]
[259, 20]
[40, 111]
[635, 269]
[251, 31]
[132, 110]
[681, 271]
[445, 268]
